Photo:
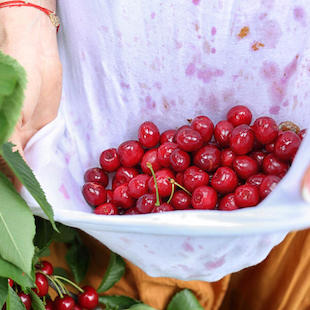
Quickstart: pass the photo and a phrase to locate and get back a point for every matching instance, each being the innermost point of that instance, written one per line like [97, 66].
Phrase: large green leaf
[36, 302]
[118, 302]
[3, 291]
[184, 300]
[113, 274]
[17, 227]
[44, 233]
[12, 86]
[24, 173]
[8, 270]
[13, 301]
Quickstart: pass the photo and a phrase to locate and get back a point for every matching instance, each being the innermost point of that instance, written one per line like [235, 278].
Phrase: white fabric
[166, 61]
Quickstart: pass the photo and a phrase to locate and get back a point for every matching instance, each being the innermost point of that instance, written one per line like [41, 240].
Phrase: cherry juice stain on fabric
[269, 33]
[270, 70]
[208, 73]
[196, 2]
[63, 190]
[187, 247]
[153, 15]
[215, 264]
[150, 104]
[213, 31]
[190, 69]
[300, 15]
[257, 46]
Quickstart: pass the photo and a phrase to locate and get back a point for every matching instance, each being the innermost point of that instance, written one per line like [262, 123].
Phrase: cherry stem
[179, 185]
[149, 165]
[64, 290]
[172, 193]
[70, 282]
[56, 287]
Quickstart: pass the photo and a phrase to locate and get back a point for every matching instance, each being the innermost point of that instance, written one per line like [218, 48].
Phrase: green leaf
[13, 301]
[12, 86]
[58, 271]
[66, 234]
[44, 232]
[3, 291]
[8, 270]
[146, 307]
[24, 173]
[184, 300]
[118, 302]
[36, 302]
[16, 227]
[115, 271]
[77, 259]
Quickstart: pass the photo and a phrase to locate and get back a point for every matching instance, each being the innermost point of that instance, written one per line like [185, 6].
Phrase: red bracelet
[51, 14]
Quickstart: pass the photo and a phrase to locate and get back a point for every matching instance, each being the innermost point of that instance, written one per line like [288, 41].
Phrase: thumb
[305, 186]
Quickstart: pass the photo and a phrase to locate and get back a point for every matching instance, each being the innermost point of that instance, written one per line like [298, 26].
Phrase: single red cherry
[269, 147]
[109, 195]
[204, 197]
[132, 211]
[11, 282]
[88, 299]
[188, 140]
[164, 151]
[256, 179]
[246, 196]
[164, 207]
[265, 129]
[287, 145]
[94, 193]
[268, 185]
[125, 174]
[302, 133]
[224, 180]
[227, 158]
[109, 160]
[208, 158]
[46, 267]
[146, 203]
[49, 305]
[179, 177]
[222, 133]
[181, 200]
[164, 185]
[228, 203]
[148, 134]
[26, 300]
[130, 153]
[116, 183]
[259, 157]
[65, 303]
[179, 160]
[204, 126]
[77, 307]
[41, 284]
[167, 136]
[242, 140]
[194, 177]
[138, 186]
[239, 115]
[107, 208]
[245, 166]
[273, 165]
[96, 175]
[122, 198]
[151, 157]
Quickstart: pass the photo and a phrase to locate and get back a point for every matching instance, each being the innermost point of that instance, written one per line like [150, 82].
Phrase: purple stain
[207, 74]
[274, 110]
[215, 264]
[187, 247]
[190, 70]
[270, 70]
[285, 103]
[269, 33]
[158, 85]
[63, 190]
[153, 15]
[300, 15]
[277, 92]
[196, 2]
[178, 44]
[213, 31]
[213, 50]
[289, 70]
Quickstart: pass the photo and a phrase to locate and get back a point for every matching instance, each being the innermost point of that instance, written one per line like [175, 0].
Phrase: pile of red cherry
[198, 166]
[44, 278]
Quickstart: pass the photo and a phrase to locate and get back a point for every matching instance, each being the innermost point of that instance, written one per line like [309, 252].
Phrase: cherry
[11, 282]
[204, 197]
[268, 185]
[109, 195]
[302, 133]
[164, 185]
[122, 198]
[45, 267]
[287, 145]
[256, 179]
[222, 133]
[88, 299]
[269, 147]
[130, 153]
[239, 115]
[265, 129]
[94, 193]
[204, 126]
[224, 180]
[242, 140]
[77, 307]
[96, 175]
[107, 208]
[49, 305]
[109, 160]
[138, 186]
[273, 165]
[26, 300]
[164, 151]
[167, 136]
[65, 303]
[188, 139]
[181, 200]
[208, 158]
[227, 158]
[194, 177]
[179, 160]
[259, 157]
[228, 203]
[41, 284]
[148, 134]
[151, 157]
[246, 196]
[164, 207]
[179, 177]
[116, 183]
[132, 211]
[125, 174]
[146, 203]
[245, 166]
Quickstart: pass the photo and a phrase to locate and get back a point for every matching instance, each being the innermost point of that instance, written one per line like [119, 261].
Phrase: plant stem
[179, 185]
[56, 287]
[60, 284]
[70, 282]
[172, 193]
[149, 165]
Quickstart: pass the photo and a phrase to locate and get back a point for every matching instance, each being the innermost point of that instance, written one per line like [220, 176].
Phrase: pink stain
[207, 74]
[190, 70]
[274, 110]
[178, 45]
[270, 70]
[187, 247]
[215, 264]
[63, 190]
[153, 15]
[289, 70]
[300, 15]
[277, 92]
[158, 85]
[67, 158]
[124, 85]
[196, 2]
[213, 50]
[213, 31]
[285, 103]
[269, 33]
